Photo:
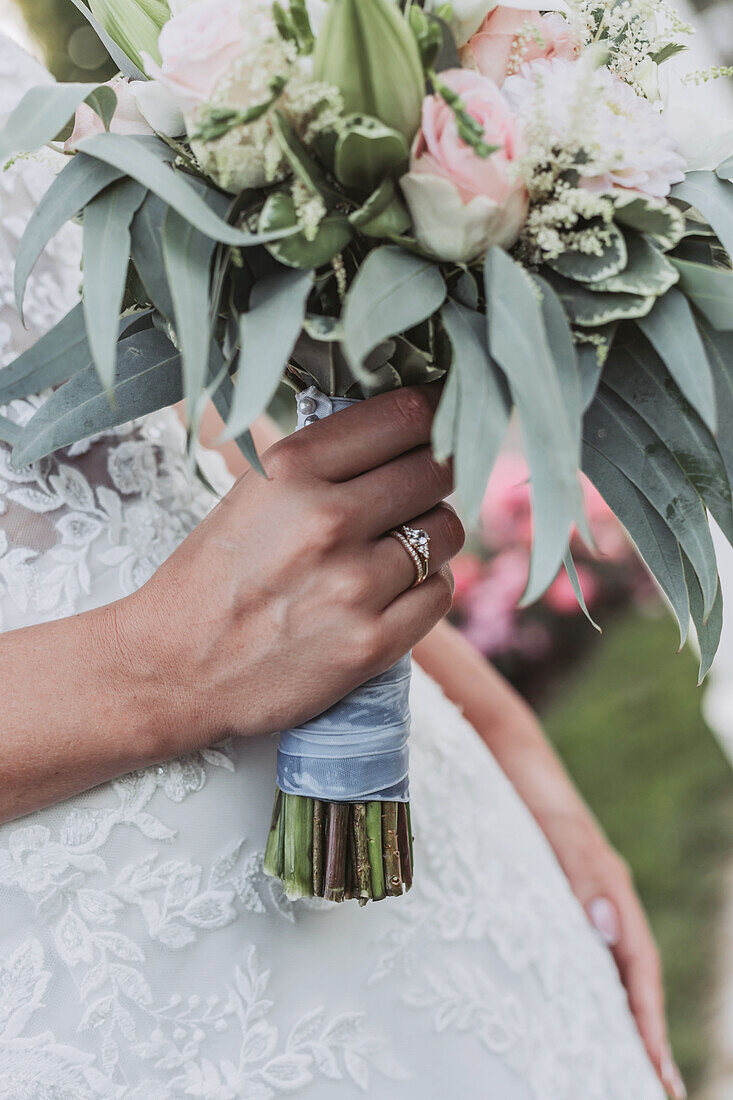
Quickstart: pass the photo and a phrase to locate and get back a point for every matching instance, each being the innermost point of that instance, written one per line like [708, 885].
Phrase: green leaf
[618, 432]
[640, 378]
[384, 214]
[708, 629]
[672, 330]
[9, 431]
[710, 289]
[483, 405]
[719, 349]
[268, 332]
[647, 271]
[126, 66]
[519, 343]
[393, 291]
[445, 422]
[279, 215]
[221, 391]
[562, 346]
[187, 257]
[74, 188]
[148, 378]
[653, 539]
[147, 253]
[655, 217]
[587, 308]
[55, 357]
[144, 161]
[106, 252]
[713, 198]
[583, 268]
[671, 49]
[41, 114]
[367, 151]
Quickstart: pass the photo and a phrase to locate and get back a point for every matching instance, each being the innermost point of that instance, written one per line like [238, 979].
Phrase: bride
[151, 647]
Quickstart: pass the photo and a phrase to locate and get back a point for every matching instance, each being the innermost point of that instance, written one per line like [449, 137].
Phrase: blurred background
[623, 710]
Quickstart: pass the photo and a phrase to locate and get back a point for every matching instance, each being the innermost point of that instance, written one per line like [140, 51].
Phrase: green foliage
[71, 49]
[628, 726]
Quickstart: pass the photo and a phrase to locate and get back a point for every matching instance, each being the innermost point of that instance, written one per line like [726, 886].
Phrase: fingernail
[672, 1078]
[604, 918]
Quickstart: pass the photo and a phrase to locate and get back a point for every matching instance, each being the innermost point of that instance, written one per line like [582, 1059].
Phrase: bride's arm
[597, 875]
[233, 634]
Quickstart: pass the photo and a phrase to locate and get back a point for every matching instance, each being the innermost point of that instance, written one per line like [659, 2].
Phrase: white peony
[571, 105]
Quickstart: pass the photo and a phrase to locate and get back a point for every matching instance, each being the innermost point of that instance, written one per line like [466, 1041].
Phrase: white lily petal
[158, 107]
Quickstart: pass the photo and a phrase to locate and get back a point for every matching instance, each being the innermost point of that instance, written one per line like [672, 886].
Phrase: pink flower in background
[506, 514]
[467, 570]
[509, 37]
[127, 118]
[462, 203]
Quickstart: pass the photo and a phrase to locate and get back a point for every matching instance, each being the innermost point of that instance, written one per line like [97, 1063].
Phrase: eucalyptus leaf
[719, 348]
[126, 66]
[672, 330]
[148, 377]
[145, 162]
[147, 253]
[384, 214]
[574, 579]
[392, 291]
[618, 432]
[518, 342]
[221, 391]
[187, 256]
[482, 408]
[708, 629]
[640, 378]
[9, 431]
[713, 198]
[106, 252]
[74, 188]
[41, 114]
[445, 421]
[268, 333]
[653, 539]
[710, 289]
[304, 167]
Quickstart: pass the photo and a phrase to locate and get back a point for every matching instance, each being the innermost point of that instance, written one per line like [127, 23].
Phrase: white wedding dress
[143, 954]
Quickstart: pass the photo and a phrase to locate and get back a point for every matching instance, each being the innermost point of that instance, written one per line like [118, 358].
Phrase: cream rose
[461, 203]
[127, 118]
[509, 37]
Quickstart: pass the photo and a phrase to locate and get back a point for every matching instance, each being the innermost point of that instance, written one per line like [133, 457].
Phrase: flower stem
[337, 842]
[273, 864]
[298, 847]
[318, 839]
[405, 843]
[390, 849]
[362, 870]
[374, 841]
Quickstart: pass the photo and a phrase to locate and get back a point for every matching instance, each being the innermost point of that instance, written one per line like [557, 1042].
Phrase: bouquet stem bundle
[340, 850]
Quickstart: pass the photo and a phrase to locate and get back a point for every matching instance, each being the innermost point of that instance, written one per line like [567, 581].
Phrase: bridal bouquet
[356, 195]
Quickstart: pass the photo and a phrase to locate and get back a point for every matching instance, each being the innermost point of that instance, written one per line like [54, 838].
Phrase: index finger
[368, 434]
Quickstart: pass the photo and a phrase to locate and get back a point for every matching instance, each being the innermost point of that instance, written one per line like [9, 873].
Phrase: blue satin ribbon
[357, 750]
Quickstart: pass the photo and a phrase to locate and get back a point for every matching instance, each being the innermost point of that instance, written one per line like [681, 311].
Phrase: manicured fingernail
[604, 918]
[672, 1078]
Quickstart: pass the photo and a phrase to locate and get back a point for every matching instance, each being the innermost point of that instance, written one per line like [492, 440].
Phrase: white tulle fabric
[144, 955]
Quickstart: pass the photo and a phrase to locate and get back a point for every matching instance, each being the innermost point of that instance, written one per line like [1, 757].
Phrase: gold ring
[417, 544]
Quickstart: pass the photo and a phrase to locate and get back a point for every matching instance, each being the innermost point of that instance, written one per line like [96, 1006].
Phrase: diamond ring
[417, 544]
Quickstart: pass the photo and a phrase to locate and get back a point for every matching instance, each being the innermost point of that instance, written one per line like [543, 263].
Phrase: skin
[303, 591]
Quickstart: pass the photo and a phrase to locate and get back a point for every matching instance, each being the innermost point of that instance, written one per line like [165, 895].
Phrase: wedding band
[417, 544]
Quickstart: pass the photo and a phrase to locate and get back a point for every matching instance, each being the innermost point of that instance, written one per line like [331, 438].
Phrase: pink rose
[509, 37]
[198, 47]
[127, 118]
[460, 202]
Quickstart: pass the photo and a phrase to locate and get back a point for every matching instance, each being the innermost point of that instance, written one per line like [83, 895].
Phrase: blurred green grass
[628, 725]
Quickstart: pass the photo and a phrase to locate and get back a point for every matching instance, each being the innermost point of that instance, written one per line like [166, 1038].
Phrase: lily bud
[368, 51]
[133, 24]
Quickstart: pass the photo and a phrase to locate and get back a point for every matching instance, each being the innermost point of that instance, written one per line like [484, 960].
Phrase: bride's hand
[289, 595]
[597, 875]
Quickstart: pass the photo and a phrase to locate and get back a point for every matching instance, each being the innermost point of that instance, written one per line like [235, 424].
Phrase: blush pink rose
[461, 203]
[127, 118]
[198, 47]
[509, 37]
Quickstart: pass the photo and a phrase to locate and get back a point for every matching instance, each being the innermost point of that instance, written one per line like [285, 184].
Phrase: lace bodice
[143, 954]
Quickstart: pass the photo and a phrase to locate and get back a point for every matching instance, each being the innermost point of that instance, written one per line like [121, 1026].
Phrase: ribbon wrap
[357, 750]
